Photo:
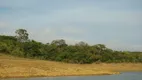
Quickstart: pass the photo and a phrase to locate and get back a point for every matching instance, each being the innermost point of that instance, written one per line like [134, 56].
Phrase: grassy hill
[20, 67]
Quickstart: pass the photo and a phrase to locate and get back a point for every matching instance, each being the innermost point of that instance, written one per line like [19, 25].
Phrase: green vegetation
[58, 50]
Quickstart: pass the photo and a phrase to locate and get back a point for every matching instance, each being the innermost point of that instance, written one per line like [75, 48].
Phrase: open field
[20, 67]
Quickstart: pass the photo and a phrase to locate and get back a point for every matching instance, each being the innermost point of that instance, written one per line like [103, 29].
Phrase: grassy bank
[20, 67]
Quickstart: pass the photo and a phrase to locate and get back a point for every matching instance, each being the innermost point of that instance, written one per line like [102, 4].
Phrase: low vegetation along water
[59, 50]
[123, 76]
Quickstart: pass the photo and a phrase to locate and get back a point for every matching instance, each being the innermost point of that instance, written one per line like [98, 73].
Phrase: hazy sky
[115, 23]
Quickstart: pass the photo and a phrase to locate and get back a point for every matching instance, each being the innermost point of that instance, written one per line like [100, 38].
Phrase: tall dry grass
[20, 67]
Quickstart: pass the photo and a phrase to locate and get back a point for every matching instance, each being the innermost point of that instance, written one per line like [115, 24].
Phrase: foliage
[58, 50]
[21, 35]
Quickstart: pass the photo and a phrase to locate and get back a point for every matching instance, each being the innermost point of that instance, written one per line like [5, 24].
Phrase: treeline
[58, 50]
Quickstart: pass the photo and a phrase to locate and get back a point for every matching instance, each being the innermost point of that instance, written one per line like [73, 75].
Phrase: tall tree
[100, 48]
[81, 43]
[59, 42]
[22, 35]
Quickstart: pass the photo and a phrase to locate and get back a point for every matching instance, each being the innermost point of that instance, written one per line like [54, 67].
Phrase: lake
[123, 76]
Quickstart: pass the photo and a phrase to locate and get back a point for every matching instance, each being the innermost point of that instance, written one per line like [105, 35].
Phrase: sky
[115, 23]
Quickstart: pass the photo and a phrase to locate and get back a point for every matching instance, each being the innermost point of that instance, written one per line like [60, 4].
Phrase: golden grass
[20, 67]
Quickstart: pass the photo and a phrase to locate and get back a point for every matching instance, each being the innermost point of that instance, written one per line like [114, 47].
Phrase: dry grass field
[20, 67]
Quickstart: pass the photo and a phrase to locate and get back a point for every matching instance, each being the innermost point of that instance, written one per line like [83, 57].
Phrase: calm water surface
[123, 76]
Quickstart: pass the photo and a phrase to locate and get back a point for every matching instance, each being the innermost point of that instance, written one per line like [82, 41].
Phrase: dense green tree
[59, 42]
[58, 50]
[81, 43]
[21, 35]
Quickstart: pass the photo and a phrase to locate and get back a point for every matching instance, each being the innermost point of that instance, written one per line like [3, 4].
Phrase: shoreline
[68, 75]
[38, 76]
[14, 67]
